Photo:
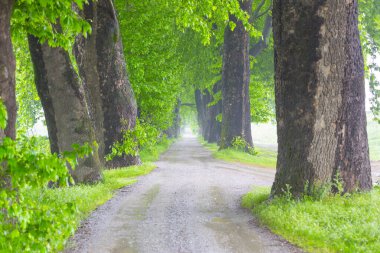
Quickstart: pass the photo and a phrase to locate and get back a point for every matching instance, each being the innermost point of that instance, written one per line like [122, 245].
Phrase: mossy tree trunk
[64, 105]
[7, 69]
[320, 96]
[236, 116]
[102, 67]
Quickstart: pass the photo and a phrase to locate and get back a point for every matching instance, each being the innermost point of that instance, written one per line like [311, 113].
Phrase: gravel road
[190, 203]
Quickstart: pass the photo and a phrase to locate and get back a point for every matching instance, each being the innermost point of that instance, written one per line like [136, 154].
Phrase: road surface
[190, 203]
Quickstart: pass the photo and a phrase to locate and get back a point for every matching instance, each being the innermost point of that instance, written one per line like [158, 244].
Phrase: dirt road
[190, 203]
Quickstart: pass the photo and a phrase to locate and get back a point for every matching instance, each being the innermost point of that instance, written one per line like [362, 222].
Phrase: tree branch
[255, 14]
[264, 41]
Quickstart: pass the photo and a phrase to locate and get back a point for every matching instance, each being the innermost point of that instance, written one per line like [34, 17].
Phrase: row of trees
[89, 100]
[215, 56]
[319, 87]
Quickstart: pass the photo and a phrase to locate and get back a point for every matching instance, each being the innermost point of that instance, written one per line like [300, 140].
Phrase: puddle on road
[231, 231]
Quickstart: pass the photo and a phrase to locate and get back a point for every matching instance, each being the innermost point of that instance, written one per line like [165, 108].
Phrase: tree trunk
[102, 66]
[174, 130]
[7, 69]
[236, 116]
[320, 96]
[65, 108]
[214, 124]
[200, 112]
[202, 99]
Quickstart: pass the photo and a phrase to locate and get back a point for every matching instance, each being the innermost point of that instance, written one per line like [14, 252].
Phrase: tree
[102, 66]
[7, 68]
[215, 111]
[320, 106]
[66, 111]
[236, 115]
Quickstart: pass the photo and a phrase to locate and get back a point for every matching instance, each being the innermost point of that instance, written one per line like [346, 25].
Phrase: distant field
[265, 135]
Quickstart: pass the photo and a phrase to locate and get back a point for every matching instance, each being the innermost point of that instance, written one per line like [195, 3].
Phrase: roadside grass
[335, 223]
[88, 197]
[68, 206]
[264, 158]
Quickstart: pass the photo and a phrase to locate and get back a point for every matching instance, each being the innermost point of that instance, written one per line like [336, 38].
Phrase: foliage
[239, 144]
[333, 224]
[28, 102]
[261, 88]
[54, 21]
[204, 16]
[374, 85]
[369, 25]
[154, 65]
[143, 136]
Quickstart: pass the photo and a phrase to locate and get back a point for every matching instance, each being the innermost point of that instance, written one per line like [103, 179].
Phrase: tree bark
[174, 130]
[102, 67]
[200, 112]
[236, 116]
[202, 99]
[214, 124]
[7, 69]
[263, 43]
[65, 108]
[320, 96]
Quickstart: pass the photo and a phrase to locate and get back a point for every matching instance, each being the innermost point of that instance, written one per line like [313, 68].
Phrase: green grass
[333, 224]
[264, 158]
[88, 197]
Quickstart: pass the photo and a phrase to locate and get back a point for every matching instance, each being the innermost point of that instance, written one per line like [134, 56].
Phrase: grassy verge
[264, 158]
[333, 224]
[88, 197]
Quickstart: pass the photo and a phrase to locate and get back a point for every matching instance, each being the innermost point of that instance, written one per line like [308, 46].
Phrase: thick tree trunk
[320, 106]
[102, 66]
[236, 121]
[214, 124]
[7, 69]
[65, 108]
